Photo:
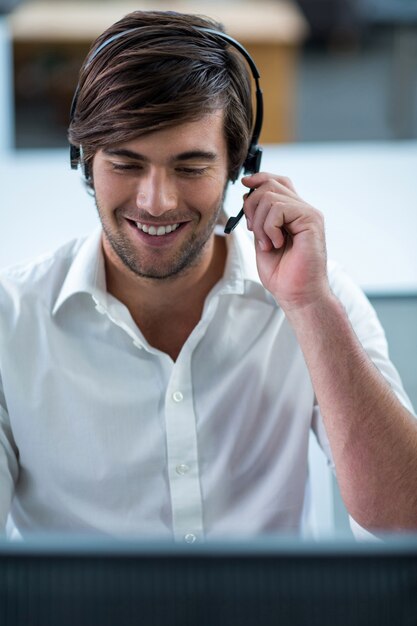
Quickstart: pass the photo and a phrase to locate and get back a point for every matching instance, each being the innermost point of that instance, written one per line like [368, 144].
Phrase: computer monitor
[271, 581]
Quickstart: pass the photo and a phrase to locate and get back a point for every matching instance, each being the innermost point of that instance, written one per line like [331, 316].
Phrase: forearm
[372, 436]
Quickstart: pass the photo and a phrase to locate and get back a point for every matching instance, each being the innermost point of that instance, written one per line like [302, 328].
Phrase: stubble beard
[182, 261]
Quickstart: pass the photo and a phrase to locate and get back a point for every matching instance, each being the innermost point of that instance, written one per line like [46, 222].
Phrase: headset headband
[253, 158]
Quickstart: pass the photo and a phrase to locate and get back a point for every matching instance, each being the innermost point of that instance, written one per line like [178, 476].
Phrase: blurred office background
[356, 72]
[344, 88]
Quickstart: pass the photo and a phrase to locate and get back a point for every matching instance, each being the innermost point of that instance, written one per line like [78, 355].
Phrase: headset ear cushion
[253, 159]
[75, 156]
[77, 159]
[86, 171]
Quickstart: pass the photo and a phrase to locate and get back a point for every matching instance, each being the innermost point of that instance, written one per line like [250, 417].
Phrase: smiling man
[180, 194]
[159, 198]
[161, 379]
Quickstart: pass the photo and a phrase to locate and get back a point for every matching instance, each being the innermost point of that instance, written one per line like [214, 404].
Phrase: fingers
[273, 210]
[266, 218]
[274, 218]
[264, 184]
[260, 178]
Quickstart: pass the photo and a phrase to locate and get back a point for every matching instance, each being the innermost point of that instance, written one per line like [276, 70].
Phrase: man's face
[159, 196]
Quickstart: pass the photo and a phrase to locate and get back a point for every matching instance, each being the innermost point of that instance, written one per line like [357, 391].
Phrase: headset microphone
[252, 162]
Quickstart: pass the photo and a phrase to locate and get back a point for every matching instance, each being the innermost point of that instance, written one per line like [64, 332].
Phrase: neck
[167, 310]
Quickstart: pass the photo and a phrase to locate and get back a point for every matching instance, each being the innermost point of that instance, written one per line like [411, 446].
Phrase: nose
[156, 193]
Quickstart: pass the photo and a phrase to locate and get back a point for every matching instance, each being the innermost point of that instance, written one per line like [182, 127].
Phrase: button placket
[183, 470]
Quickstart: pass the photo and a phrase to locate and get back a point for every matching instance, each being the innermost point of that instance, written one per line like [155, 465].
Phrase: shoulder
[359, 309]
[38, 279]
[346, 289]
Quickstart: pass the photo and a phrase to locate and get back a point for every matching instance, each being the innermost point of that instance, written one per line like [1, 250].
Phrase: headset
[252, 162]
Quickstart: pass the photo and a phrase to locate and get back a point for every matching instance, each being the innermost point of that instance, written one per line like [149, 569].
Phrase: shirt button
[100, 309]
[177, 396]
[190, 538]
[137, 344]
[182, 469]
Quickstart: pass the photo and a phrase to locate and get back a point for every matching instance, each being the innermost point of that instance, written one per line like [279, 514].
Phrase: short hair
[163, 72]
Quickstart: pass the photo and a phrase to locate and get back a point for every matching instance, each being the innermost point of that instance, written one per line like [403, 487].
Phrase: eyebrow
[189, 155]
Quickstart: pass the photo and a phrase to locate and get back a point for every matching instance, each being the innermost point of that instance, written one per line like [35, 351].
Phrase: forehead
[206, 132]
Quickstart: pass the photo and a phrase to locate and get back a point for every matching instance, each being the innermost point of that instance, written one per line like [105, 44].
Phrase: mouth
[156, 234]
[157, 231]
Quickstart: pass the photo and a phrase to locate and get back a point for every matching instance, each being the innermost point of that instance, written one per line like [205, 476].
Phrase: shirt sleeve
[370, 333]
[368, 329]
[9, 468]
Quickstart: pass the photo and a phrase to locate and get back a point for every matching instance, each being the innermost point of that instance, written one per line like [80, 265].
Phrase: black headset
[252, 162]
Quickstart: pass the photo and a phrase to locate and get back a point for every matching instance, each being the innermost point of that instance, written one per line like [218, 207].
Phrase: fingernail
[262, 245]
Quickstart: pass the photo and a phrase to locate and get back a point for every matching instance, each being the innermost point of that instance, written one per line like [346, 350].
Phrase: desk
[271, 31]
[367, 192]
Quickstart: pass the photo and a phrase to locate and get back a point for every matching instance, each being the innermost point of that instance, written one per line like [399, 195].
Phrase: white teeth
[159, 231]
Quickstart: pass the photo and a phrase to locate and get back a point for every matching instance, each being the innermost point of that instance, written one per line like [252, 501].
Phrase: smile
[156, 231]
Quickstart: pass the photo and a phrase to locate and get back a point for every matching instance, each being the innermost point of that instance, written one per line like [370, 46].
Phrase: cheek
[206, 196]
[111, 193]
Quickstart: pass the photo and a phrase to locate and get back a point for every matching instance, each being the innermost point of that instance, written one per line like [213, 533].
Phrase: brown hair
[163, 72]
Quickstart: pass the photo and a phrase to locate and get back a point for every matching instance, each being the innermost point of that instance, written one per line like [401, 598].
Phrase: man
[161, 379]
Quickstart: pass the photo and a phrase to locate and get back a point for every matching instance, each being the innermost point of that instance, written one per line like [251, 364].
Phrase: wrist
[313, 310]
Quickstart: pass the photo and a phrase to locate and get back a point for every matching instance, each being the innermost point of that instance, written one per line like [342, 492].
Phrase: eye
[126, 166]
[192, 171]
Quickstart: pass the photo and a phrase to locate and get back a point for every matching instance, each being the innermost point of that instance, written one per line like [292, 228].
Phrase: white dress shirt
[101, 432]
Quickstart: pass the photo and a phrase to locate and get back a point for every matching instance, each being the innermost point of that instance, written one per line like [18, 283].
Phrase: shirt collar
[241, 269]
[87, 271]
